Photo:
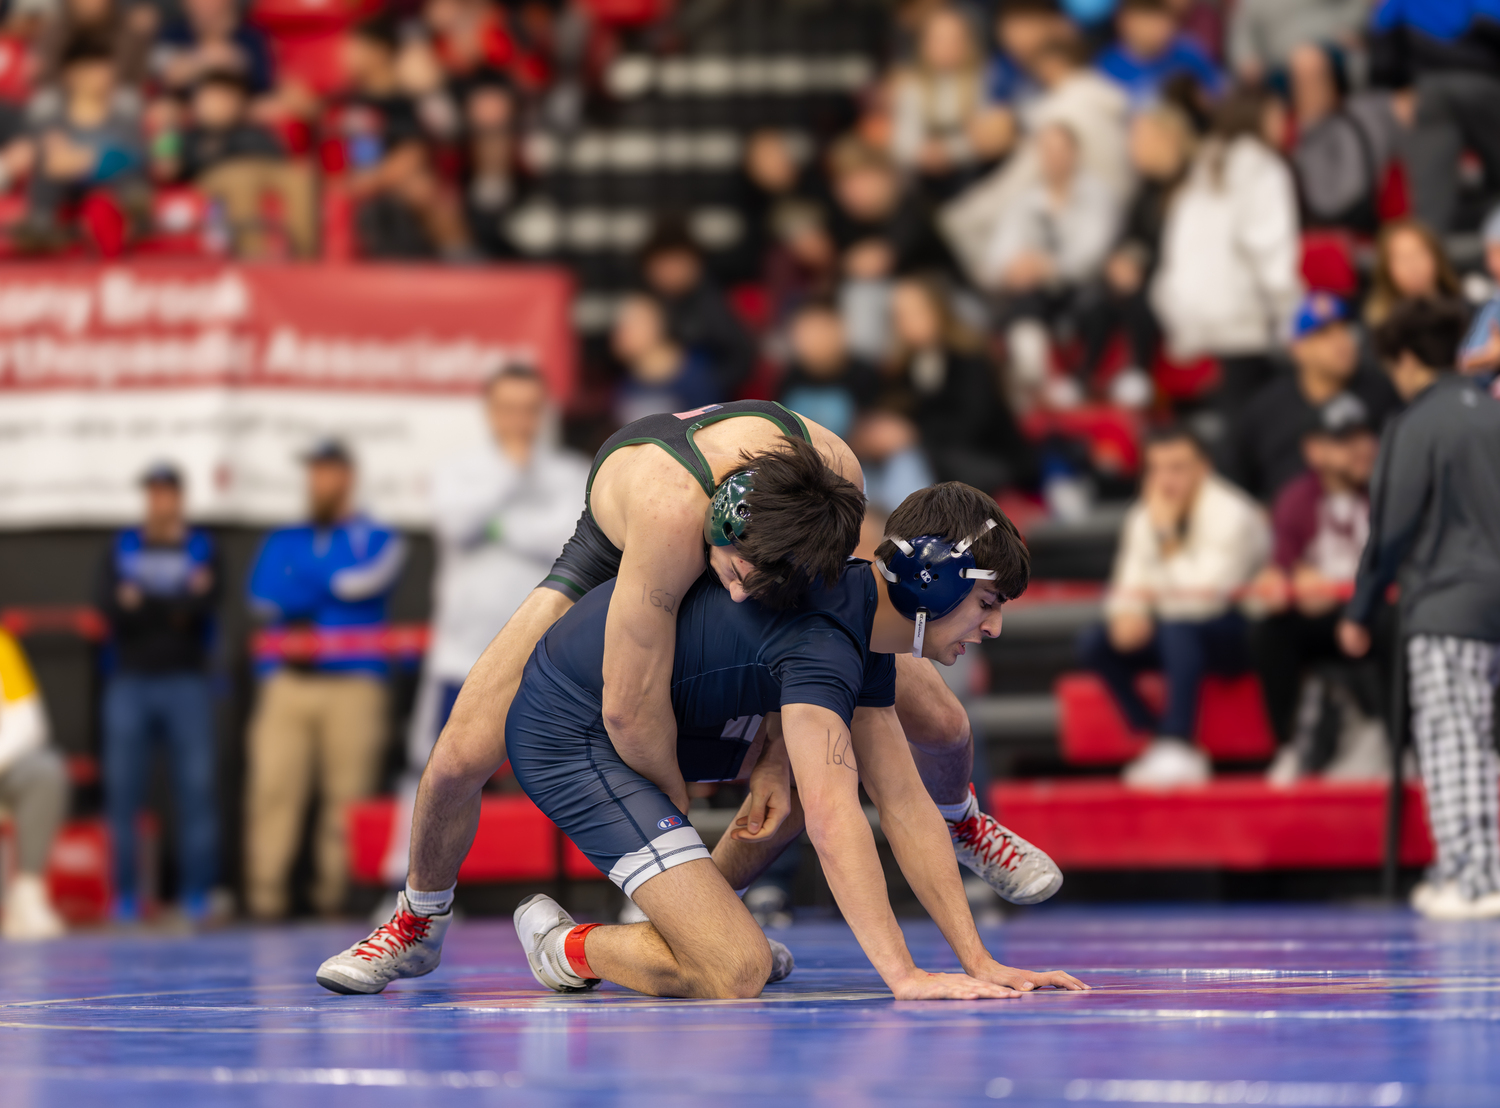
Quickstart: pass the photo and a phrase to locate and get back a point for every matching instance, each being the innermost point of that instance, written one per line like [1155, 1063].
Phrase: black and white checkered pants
[1452, 702]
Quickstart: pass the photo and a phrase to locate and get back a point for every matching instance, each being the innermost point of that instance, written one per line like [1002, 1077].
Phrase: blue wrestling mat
[1271, 1006]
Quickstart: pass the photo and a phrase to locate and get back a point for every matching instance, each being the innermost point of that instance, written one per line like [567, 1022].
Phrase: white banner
[231, 374]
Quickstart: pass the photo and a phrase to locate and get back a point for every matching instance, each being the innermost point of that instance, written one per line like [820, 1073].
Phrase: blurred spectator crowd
[1039, 243]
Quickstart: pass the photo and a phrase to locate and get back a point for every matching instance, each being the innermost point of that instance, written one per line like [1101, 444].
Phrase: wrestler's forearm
[915, 829]
[919, 840]
[851, 864]
[823, 762]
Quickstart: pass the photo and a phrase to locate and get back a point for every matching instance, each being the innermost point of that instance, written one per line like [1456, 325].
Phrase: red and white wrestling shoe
[1013, 867]
[406, 945]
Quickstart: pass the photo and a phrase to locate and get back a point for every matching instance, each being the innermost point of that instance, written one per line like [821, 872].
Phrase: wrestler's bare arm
[663, 531]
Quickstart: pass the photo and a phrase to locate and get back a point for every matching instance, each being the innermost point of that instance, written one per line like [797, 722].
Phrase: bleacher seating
[1235, 823]
[1232, 724]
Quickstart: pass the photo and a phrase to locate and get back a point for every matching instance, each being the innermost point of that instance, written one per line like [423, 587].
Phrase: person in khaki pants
[321, 713]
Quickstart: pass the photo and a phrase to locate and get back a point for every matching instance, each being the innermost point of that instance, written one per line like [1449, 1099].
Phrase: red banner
[230, 371]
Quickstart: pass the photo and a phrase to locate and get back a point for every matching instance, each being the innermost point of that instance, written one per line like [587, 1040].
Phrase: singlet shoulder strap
[674, 431]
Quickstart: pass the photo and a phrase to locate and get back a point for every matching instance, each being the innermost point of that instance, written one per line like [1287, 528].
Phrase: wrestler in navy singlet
[734, 664]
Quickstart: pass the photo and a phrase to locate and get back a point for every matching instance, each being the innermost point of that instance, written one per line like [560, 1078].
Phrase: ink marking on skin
[662, 599]
[838, 751]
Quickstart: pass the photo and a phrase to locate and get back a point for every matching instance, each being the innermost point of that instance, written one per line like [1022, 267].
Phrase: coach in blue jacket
[321, 714]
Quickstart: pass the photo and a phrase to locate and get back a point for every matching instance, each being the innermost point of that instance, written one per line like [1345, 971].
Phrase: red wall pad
[1236, 822]
[515, 841]
[1232, 724]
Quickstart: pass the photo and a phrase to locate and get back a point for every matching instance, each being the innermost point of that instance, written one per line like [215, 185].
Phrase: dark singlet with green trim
[674, 431]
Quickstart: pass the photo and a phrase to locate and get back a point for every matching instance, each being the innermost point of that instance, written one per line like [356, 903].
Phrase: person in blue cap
[802, 698]
[1265, 447]
[159, 587]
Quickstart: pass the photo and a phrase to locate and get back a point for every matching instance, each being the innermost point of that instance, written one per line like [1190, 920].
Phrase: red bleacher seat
[515, 842]
[1185, 380]
[1232, 724]
[627, 13]
[1113, 435]
[1238, 823]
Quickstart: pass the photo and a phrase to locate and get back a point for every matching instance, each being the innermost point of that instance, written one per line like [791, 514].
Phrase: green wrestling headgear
[729, 510]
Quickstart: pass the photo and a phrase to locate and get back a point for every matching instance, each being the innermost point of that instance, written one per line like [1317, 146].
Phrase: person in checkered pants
[1435, 528]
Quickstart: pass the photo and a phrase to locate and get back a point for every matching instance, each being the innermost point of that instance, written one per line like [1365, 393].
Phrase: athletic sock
[573, 951]
[957, 813]
[429, 904]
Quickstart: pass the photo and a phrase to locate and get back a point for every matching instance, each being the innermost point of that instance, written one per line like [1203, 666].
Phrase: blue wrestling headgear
[930, 576]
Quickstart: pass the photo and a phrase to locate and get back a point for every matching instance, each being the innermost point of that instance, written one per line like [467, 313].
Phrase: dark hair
[804, 523]
[85, 47]
[514, 371]
[1068, 50]
[380, 30]
[956, 511]
[1428, 330]
[1159, 7]
[671, 235]
[224, 78]
[1176, 432]
[1010, 8]
[818, 303]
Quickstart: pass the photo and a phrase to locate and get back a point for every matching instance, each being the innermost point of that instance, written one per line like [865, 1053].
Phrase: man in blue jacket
[321, 713]
[1443, 57]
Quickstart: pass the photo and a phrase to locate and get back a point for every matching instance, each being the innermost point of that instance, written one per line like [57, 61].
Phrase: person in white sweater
[1189, 546]
[1092, 106]
[1228, 279]
[1046, 246]
[500, 513]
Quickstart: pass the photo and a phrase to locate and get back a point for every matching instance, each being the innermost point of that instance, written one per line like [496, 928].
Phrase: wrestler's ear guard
[930, 576]
[729, 510]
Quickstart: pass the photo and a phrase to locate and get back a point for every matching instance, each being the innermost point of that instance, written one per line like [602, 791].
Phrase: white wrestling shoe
[543, 926]
[406, 945]
[1168, 764]
[1014, 868]
[29, 915]
[782, 962]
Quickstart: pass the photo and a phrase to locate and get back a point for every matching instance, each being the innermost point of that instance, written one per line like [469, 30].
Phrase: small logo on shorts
[669, 822]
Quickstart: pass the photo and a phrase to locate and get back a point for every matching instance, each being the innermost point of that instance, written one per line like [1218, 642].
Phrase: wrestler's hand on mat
[769, 801]
[1027, 980]
[921, 985]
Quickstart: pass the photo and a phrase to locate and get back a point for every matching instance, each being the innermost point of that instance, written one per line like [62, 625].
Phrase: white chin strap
[968, 574]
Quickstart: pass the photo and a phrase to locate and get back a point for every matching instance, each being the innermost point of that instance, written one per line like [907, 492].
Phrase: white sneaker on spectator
[1448, 903]
[1132, 388]
[1362, 754]
[29, 915]
[406, 945]
[1286, 769]
[1168, 764]
[1424, 891]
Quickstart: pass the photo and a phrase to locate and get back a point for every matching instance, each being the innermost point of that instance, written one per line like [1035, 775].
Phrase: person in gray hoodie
[1435, 527]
